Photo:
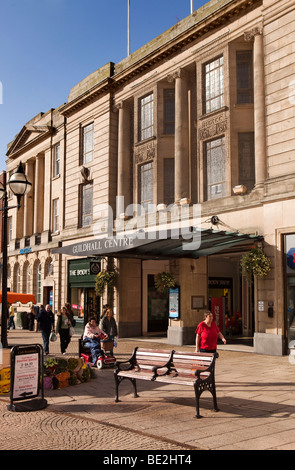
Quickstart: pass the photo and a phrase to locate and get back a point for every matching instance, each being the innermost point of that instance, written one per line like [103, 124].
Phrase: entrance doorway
[48, 296]
[85, 304]
[233, 295]
[155, 305]
[158, 307]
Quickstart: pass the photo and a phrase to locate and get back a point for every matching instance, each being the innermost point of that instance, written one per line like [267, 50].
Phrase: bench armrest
[129, 361]
[166, 366]
[210, 368]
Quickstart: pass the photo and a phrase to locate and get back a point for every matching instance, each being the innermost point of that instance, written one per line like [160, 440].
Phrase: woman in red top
[207, 334]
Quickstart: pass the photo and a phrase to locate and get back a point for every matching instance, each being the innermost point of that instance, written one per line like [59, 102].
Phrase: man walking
[45, 319]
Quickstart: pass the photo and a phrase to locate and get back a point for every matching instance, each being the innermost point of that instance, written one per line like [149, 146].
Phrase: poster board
[174, 303]
[27, 378]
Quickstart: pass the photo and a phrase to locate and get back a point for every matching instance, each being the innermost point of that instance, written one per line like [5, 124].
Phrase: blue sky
[48, 46]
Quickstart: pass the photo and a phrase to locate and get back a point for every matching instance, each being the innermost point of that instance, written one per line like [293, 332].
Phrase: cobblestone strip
[49, 430]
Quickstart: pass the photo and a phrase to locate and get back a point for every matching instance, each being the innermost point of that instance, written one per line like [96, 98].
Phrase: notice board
[26, 377]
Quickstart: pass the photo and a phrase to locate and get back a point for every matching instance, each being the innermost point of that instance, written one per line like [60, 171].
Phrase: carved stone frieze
[145, 152]
[212, 126]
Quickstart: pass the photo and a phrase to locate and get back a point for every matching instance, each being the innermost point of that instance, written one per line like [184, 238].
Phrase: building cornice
[201, 22]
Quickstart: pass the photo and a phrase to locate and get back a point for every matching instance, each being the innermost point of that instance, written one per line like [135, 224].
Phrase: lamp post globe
[18, 183]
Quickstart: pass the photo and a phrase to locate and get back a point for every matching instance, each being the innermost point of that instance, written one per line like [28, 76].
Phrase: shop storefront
[290, 287]
[141, 309]
[84, 302]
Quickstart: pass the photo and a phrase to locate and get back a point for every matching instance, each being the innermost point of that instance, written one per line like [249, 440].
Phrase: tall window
[56, 163]
[169, 111]
[17, 285]
[28, 275]
[87, 143]
[244, 77]
[146, 115]
[9, 229]
[55, 215]
[86, 204]
[215, 160]
[169, 181]
[214, 85]
[39, 283]
[246, 159]
[146, 185]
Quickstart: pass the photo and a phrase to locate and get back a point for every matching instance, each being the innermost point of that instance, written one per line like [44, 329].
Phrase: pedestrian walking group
[42, 319]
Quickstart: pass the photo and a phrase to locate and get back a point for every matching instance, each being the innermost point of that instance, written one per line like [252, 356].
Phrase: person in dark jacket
[45, 319]
[109, 325]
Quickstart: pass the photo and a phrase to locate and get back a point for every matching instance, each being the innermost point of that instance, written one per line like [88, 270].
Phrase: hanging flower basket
[255, 263]
[103, 279]
[163, 281]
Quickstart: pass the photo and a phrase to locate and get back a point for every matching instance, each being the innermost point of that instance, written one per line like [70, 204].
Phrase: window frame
[82, 216]
[168, 124]
[222, 181]
[87, 156]
[56, 161]
[243, 92]
[55, 215]
[146, 131]
[142, 170]
[217, 94]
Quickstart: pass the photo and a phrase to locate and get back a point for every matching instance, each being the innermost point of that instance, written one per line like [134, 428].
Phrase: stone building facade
[200, 121]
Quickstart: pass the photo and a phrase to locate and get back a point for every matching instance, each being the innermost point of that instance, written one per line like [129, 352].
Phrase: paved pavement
[255, 395]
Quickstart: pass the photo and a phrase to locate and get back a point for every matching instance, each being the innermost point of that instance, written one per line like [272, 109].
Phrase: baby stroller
[107, 358]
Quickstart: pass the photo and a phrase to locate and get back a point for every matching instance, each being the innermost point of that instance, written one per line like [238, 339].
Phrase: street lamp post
[20, 186]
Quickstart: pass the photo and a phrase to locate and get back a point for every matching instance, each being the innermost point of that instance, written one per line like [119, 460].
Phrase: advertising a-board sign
[27, 378]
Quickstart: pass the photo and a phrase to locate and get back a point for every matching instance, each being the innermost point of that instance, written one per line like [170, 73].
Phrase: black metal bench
[181, 368]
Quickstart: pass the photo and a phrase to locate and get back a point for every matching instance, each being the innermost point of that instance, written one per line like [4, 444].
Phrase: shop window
[39, 283]
[244, 77]
[290, 286]
[213, 85]
[26, 277]
[16, 280]
[215, 165]
[146, 117]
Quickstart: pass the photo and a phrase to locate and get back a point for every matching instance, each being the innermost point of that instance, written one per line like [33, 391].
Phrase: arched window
[16, 278]
[26, 277]
[39, 283]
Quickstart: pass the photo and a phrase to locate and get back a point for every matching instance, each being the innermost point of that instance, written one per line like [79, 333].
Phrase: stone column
[39, 194]
[124, 164]
[259, 104]
[182, 173]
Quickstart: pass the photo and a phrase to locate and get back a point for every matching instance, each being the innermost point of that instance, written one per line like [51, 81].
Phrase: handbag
[72, 331]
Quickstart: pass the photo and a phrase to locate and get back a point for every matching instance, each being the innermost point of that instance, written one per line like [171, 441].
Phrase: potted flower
[255, 263]
[163, 281]
[103, 279]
